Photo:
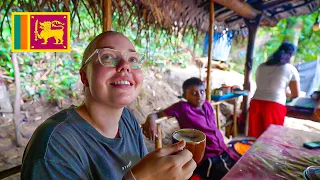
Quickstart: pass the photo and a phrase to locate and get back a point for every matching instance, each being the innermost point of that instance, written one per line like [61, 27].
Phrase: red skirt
[262, 114]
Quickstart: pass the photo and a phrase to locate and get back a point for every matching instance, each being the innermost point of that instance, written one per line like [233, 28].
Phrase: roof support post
[211, 21]
[252, 27]
[107, 15]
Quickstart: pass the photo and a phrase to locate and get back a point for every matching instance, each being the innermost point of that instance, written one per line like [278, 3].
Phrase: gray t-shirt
[66, 146]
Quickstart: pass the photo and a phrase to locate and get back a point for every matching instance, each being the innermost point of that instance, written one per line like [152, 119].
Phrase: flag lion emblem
[48, 31]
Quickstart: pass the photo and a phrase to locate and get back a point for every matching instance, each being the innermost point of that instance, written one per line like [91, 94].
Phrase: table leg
[235, 120]
[217, 115]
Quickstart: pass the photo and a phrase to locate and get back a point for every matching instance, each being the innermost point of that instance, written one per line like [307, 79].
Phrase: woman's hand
[149, 128]
[171, 162]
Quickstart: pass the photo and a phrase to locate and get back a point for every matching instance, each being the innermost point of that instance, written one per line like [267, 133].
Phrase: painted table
[277, 154]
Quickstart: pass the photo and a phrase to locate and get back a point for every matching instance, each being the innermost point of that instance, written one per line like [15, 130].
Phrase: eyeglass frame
[96, 51]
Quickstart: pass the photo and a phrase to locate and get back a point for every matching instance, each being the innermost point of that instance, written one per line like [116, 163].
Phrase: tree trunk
[17, 99]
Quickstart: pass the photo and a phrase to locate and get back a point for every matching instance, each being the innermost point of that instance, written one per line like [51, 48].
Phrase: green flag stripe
[17, 30]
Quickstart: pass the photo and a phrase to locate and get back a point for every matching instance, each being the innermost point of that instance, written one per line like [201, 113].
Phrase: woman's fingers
[183, 157]
[188, 168]
[171, 161]
[171, 149]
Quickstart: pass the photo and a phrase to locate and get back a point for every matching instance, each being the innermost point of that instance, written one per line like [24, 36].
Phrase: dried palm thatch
[173, 16]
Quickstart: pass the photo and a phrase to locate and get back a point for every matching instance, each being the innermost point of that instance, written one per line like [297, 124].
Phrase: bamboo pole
[17, 99]
[158, 141]
[107, 15]
[211, 21]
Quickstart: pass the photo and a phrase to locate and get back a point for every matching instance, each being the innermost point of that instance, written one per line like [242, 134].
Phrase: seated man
[197, 113]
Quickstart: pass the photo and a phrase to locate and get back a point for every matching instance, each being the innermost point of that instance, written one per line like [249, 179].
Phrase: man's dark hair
[194, 81]
[277, 58]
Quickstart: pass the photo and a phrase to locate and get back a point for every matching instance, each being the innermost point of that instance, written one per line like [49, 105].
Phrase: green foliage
[308, 40]
[270, 38]
[161, 49]
[55, 75]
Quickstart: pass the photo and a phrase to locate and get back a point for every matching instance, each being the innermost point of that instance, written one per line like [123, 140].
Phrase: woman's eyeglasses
[111, 58]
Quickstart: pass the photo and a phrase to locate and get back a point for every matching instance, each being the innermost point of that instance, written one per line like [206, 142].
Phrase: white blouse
[273, 80]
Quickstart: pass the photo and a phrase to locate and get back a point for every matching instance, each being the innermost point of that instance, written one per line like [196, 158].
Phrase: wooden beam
[10, 172]
[211, 21]
[240, 7]
[107, 15]
[252, 27]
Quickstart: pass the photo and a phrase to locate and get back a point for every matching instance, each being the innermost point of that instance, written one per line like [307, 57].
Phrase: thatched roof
[195, 13]
[273, 9]
[171, 15]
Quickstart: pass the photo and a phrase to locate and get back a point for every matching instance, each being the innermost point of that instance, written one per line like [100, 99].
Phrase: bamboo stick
[158, 143]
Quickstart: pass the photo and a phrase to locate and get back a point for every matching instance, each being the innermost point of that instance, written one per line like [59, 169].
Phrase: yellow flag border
[40, 13]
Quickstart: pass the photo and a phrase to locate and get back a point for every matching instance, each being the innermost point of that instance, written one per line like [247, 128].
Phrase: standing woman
[273, 77]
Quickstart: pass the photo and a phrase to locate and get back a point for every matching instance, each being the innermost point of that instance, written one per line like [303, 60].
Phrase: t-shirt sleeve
[295, 74]
[45, 169]
[173, 110]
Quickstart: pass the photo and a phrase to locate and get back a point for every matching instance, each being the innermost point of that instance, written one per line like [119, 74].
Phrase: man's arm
[149, 128]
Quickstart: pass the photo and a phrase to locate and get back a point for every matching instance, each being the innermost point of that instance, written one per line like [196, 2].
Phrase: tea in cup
[195, 142]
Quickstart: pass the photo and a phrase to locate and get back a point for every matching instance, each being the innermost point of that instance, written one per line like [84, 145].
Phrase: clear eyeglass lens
[110, 58]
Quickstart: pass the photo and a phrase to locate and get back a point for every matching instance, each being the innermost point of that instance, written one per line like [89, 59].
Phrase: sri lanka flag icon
[41, 32]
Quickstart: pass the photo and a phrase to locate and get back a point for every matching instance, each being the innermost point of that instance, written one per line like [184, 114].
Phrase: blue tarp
[309, 76]
[221, 45]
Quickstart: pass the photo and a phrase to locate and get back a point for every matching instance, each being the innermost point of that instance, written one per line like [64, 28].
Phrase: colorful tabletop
[277, 154]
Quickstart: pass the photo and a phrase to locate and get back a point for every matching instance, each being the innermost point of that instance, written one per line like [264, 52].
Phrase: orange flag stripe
[24, 31]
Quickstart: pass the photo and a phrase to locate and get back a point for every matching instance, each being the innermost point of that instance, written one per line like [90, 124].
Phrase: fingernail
[181, 144]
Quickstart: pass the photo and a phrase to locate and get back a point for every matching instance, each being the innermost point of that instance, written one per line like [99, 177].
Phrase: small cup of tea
[195, 142]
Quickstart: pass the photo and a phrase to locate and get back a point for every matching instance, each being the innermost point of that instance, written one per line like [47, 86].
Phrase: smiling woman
[105, 63]
[101, 139]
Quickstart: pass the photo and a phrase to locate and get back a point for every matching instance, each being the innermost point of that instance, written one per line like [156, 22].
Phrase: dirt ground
[159, 91]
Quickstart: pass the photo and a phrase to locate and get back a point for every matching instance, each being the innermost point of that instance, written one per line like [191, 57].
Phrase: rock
[38, 118]
[5, 144]
[5, 103]
[159, 76]
[39, 109]
[3, 134]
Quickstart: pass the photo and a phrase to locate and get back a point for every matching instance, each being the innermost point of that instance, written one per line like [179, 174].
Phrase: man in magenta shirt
[197, 113]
